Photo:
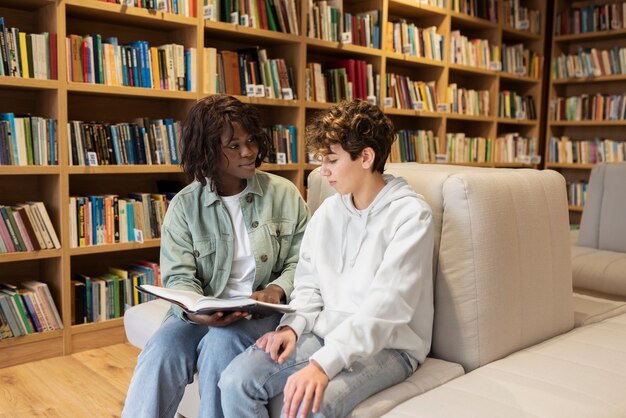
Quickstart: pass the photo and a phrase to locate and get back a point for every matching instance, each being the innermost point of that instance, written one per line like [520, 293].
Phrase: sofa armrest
[141, 321]
[599, 271]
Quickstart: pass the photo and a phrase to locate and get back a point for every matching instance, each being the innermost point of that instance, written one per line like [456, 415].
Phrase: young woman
[233, 232]
[363, 285]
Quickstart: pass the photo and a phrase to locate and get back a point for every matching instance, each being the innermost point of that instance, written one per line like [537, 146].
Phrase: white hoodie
[364, 280]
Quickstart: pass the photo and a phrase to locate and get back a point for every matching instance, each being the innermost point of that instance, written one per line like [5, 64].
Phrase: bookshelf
[578, 139]
[67, 101]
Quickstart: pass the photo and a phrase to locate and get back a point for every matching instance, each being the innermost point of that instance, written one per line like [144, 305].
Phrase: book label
[524, 159]
[346, 37]
[259, 90]
[535, 159]
[442, 107]
[520, 114]
[406, 48]
[372, 100]
[287, 93]
[138, 233]
[209, 12]
[245, 20]
[281, 158]
[234, 18]
[92, 158]
[441, 158]
[615, 24]
[520, 70]
[579, 73]
[523, 24]
[495, 66]
[388, 102]
[419, 106]
[250, 90]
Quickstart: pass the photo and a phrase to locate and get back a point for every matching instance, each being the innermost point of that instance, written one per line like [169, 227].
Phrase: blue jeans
[175, 352]
[253, 378]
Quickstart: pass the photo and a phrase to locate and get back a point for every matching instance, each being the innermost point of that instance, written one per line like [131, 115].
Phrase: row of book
[283, 147]
[474, 53]
[248, 72]
[27, 55]
[28, 140]
[109, 219]
[591, 18]
[274, 15]
[597, 150]
[403, 93]
[521, 61]
[467, 102]
[484, 9]
[577, 193]
[27, 309]
[424, 147]
[414, 146]
[185, 8]
[406, 38]
[519, 17]
[94, 59]
[589, 62]
[143, 141]
[585, 107]
[328, 21]
[26, 227]
[513, 105]
[341, 80]
[97, 298]
[515, 148]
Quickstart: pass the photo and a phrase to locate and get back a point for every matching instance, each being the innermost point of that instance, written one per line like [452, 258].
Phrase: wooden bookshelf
[66, 101]
[580, 130]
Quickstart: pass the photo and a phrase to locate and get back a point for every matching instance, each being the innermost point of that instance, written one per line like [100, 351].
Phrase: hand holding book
[194, 303]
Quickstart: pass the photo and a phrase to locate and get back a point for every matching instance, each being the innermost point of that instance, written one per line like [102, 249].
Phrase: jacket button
[255, 224]
[264, 258]
[196, 253]
[249, 198]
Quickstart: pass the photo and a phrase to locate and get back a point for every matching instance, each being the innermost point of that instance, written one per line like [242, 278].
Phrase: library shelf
[111, 248]
[29, 255]
[29, 169]
[102, 89]
[124, 169]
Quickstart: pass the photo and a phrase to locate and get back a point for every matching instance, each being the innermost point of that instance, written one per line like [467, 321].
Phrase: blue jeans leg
[253, 378]
[165, 366]
[217, 349]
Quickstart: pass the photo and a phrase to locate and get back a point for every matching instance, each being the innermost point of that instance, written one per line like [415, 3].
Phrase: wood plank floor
[88, 384]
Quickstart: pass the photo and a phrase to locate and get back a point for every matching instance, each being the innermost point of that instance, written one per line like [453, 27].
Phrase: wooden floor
[87, 384]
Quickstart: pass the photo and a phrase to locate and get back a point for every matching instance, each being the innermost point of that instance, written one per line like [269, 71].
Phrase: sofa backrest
[603, 224]
[502, 267]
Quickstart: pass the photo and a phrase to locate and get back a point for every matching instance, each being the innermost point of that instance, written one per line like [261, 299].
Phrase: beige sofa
[599, 248]
[503, 283]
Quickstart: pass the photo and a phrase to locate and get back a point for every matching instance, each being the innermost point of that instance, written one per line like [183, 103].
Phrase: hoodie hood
[396, 188]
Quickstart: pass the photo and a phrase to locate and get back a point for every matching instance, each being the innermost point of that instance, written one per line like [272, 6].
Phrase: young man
[363, 284]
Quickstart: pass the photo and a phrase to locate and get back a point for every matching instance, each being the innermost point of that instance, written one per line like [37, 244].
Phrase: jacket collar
[253, 186]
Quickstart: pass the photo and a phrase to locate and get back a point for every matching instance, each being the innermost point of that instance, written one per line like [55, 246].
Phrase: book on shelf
[333, 82]
[27, 55]
[26, 227]
[579, 151]
[590, 18]
[586, 107]
[195, 303]
[484, 9]
[27, 309]
[521, 61]
[27, 140]
[406, 38]
[283, 143]
[477, 53]
[185, 8]
[467, 101]
[414, 146]
[517, 16]
[274, 15]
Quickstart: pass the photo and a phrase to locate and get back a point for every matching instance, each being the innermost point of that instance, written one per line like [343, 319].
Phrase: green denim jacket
[197, 239]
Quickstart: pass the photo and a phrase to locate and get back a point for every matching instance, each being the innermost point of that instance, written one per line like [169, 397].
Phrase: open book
[195, 303]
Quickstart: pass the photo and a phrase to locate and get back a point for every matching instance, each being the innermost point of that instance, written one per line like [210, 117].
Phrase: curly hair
[355, 125]
[206, 122]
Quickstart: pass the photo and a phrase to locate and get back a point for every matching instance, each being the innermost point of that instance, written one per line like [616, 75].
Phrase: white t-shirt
[243, 268]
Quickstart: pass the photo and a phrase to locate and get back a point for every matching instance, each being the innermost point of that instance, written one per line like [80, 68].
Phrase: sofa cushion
[578, 374]
[603, 224]
[599, 271]
[589, 309]
[141, 321]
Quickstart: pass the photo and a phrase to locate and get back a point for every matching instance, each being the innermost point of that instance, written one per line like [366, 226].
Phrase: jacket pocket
[204, 252]
[281, 233]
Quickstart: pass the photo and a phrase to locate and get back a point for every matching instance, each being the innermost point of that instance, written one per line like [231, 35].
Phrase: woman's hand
[271, 294]
[278, 344]
[217, 319]
[302, 387]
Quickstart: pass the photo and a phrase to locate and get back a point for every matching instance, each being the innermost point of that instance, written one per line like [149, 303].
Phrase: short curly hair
[201, 139]
[355, 125]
